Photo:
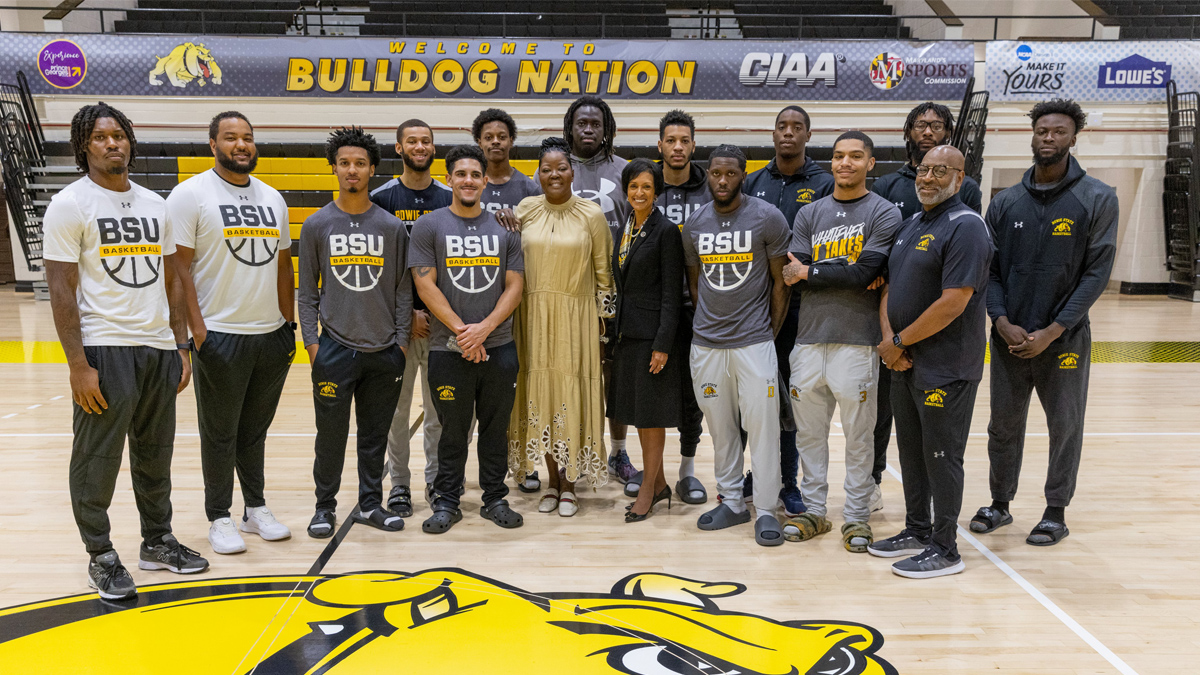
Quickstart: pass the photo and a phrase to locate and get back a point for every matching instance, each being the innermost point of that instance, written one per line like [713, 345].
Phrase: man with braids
[589, 128]
[790, 181]
[1056, 236]
[118, 311]
[354, 279]
[928, 126]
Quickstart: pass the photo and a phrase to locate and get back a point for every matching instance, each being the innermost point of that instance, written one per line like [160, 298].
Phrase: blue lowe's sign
[1134, 72]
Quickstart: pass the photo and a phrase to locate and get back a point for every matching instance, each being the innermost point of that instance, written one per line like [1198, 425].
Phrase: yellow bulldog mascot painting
[439, 621]
[185, 63]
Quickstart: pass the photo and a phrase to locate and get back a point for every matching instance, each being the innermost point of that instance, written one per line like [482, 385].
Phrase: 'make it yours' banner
[98, 65]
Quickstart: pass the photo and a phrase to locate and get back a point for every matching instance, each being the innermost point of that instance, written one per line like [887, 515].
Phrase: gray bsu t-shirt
[494, 198]
[832, 231]
[733, 252]
[472, 256]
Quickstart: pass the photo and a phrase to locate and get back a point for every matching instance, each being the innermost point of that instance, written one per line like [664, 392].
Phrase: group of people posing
[654, 294]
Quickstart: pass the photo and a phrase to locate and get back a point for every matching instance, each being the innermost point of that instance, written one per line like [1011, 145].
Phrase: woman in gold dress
[559, 410]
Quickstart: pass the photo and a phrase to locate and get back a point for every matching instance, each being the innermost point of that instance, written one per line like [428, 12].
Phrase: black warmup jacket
[1053, 249]
[789, 193]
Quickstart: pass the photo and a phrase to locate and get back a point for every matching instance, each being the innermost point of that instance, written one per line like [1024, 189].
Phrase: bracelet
[183, 346]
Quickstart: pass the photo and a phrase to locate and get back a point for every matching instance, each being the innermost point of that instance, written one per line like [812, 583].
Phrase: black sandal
[381, 519]
[988, 519]
[322, 524]
[442, 520]
[1047, 533]
[400, 501]
[500, 514]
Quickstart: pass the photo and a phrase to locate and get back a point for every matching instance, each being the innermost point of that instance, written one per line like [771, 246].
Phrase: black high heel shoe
[632, 517]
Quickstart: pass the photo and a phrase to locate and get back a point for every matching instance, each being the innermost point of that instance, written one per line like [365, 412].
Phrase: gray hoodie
[599, 179]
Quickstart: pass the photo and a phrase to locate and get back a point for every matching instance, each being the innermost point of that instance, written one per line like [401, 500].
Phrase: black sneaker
[171, 555]
[900, 545]
[400, 501]
[928, 564]
[748, 488]
[109, 577]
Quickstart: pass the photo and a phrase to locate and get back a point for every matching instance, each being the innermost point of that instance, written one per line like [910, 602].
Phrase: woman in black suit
[645, 392]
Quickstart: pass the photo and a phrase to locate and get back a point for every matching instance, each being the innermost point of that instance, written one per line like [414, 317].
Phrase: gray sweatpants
[398, 442]
[737, 389]
[825, 375]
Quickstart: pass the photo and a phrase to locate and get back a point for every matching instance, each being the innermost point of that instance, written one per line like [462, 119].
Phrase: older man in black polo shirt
[933, 322]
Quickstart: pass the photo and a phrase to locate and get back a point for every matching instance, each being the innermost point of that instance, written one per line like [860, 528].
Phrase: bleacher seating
[567, 19]
[230, 17]
[792, 19]
[1145, 20]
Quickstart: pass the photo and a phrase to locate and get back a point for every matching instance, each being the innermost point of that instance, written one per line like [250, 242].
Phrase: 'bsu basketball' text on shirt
[471, 257]
[734, 252]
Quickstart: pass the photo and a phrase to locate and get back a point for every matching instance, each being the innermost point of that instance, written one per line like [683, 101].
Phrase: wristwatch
[292, 325]
[898, 342]
[183, 346]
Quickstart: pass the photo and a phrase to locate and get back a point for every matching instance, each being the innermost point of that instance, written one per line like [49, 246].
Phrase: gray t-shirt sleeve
[776, 234]
[308, 300]
[421, 251]
[884, 225]
[801, 244]
[516, 255]
[690, 257]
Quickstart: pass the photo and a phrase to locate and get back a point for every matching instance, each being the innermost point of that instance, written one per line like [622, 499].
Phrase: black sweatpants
[372, 380]
[931, 433]
[789, 455]
[883, 423]
[1060, 376]
[691, 427]
[138, 383]
[463, 390]
[238, 382]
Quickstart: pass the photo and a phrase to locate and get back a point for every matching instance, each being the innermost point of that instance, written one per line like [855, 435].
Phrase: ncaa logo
[1024, 52]
[128, 244]
[724, 252]
[887, 70]
[466, 255]
[250, 226]
[356, 260]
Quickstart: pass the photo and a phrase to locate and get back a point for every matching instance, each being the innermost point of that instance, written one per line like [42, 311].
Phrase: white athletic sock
[737, 506]
[366, 514]
[764, 512]
[687, 467]
[617, 446]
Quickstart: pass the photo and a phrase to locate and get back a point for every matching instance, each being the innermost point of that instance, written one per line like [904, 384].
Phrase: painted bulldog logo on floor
[435, 621]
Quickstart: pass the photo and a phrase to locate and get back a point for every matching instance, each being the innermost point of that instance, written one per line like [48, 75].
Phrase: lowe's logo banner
[1134, 72]
[1101, 71]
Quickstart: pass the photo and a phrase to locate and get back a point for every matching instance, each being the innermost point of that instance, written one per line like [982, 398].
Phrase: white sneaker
[262, 522]
[877, 499]
[224, 537]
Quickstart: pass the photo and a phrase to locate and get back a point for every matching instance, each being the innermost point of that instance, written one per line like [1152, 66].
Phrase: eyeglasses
[939, 171]
[937, 127]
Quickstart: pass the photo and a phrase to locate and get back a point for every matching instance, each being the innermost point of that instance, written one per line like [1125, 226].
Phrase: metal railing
[21, 156]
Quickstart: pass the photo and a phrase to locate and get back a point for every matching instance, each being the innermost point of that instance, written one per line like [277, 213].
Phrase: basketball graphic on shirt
[251, 233]
[131, 250]
[473, 261]
[356, 260]
[725, 258]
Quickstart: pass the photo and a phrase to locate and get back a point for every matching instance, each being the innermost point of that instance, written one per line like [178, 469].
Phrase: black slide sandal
[1047, 533]
[321, 525]
[381, 519]
[988, 519]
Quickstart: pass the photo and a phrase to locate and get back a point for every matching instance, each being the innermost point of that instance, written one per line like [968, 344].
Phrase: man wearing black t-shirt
[409, 197]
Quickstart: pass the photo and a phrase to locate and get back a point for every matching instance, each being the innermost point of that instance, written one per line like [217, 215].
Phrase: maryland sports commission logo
[185, 64]
[435, 621]
[887, 70]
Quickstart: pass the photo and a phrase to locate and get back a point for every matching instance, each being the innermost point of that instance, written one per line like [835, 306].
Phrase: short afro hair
[351, 137]
[802, 111]
[215, 125]
[409, 124]
[1059, 106]
[639, 166]
[856, 135]
[493, 115]
[728, 150]
[676, 118]
[461, 152]
[84, 123]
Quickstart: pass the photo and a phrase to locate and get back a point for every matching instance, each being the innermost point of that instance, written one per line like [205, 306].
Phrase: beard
[118, 170]
[941, 196]
[231, 164]
[410, 163]
[352, 189]
[470, 204]
[1052, 159]
[726, 202]
[668, 162]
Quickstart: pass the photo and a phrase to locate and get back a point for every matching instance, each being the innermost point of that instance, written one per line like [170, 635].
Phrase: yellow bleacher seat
[753, 165]
[194, 165]
[298, 214]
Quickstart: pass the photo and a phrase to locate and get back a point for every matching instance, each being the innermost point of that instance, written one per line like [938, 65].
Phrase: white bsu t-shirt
[238, 234]
[119, 240]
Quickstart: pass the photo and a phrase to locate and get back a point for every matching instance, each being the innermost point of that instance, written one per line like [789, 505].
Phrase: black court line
[327, 554]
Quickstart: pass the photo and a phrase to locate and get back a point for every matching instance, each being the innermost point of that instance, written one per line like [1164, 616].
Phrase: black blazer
[650, 287]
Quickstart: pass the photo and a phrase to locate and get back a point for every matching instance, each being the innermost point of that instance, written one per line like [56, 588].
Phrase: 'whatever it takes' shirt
[471, 256]
[408, 205]
[495, 198]
[837, 232]
[119, 240]
[354, 279]
[733, 252]
[238, 233]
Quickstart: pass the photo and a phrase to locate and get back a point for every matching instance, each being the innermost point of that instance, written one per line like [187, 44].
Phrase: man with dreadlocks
[928, 126]
[118, 311]
[589, 128]
[354, 279]
[1056, 237]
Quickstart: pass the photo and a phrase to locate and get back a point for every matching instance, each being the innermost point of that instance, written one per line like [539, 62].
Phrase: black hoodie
[1054, 249]
[678, 202]
[789, 193]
